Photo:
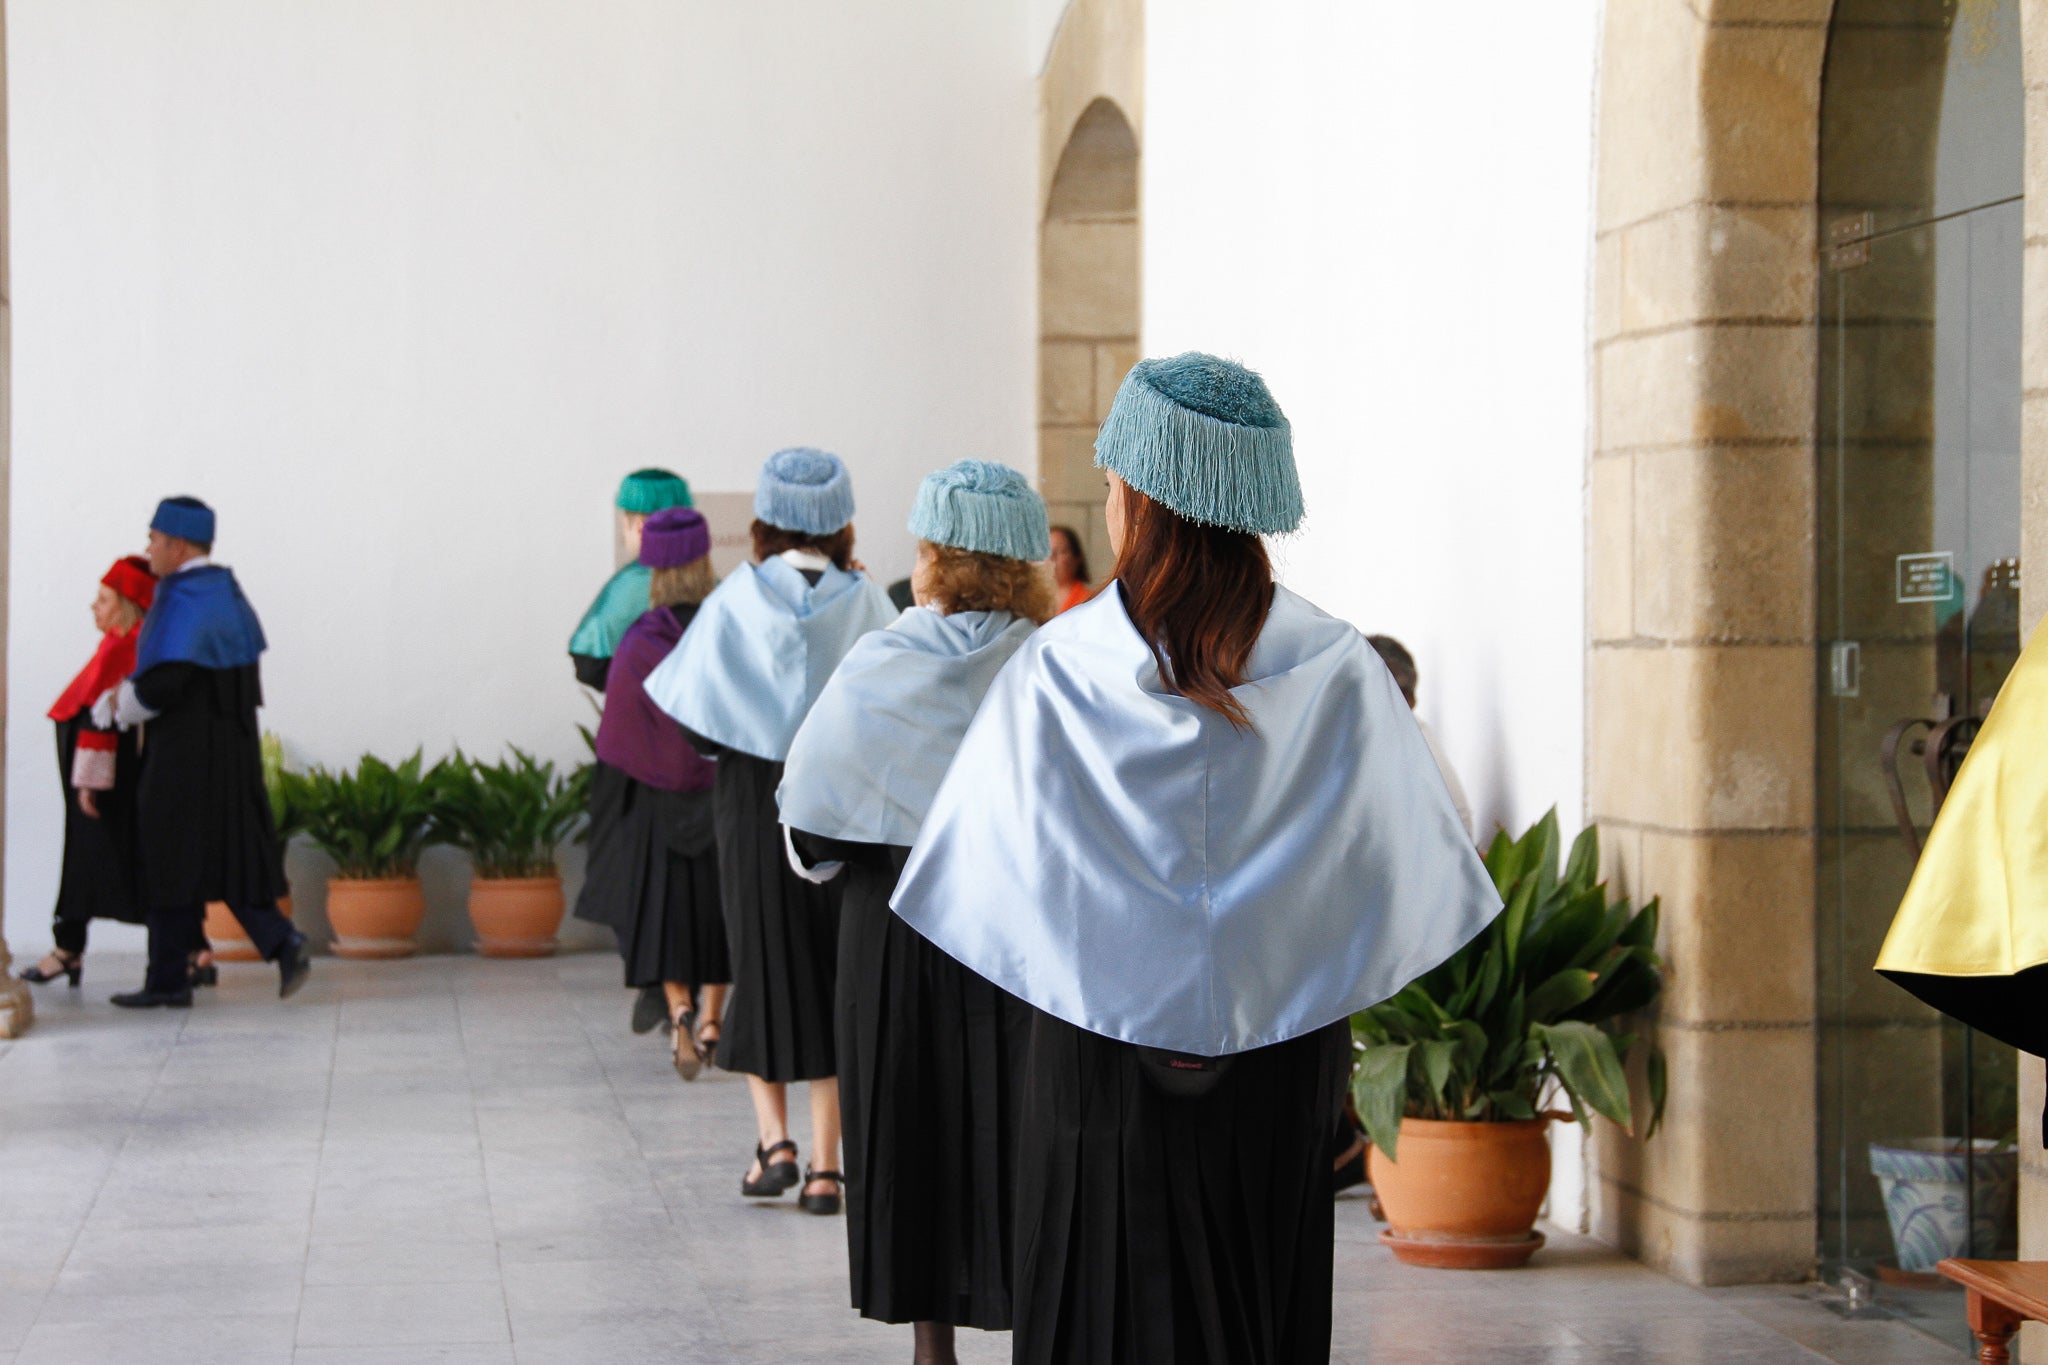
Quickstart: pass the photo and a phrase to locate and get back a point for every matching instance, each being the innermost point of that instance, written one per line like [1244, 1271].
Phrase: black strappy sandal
[707, 1048]
[202, 973]
[70, 966]
[683, 1045]
[776, 1176]
[824, 1205]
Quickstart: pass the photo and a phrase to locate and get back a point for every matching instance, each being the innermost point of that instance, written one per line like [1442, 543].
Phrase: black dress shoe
[293, 967]
[650, 1010]
[147, 999]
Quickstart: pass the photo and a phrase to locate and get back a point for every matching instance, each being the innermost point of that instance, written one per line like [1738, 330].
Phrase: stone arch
[1087, 313]
[1089, 250]
[1702, 633]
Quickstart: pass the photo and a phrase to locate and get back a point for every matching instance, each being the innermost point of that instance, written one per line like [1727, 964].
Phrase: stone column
[1700, 725]
[17, 1010]
[2034, 580]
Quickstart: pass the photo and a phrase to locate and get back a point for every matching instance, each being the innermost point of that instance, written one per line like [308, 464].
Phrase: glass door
[1919, 598]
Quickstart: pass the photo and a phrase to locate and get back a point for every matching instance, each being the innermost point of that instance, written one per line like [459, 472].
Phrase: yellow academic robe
[1971, 936]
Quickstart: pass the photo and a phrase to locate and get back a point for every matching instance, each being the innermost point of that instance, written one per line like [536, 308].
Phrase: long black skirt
[652, 877]
[98, 879]
[782, 930]
[1153, 1228]
[930, 1055]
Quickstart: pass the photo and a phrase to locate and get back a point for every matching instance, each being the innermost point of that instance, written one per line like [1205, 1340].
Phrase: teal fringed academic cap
[804, 490]
[984, 507]
[1203, 436]
[647, 491]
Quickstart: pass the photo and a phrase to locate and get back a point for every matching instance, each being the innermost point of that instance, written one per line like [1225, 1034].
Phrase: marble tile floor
[455, 1160]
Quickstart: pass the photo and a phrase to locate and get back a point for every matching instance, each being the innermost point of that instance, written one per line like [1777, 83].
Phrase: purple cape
[635, 736]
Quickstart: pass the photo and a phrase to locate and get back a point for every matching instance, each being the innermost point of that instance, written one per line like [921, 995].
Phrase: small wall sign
[1927, 577]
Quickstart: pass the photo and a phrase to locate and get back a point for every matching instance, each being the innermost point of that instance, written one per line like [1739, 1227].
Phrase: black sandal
[707, 1048]
[207, 974]
[70, 966]
[683, 1046]
[776, 1176]
[824, 1205]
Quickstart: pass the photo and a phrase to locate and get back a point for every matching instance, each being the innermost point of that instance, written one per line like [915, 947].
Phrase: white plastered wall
[1384, 208]
[404, 288]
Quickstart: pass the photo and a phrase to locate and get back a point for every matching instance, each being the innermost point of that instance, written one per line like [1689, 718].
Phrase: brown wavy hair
[682, 585]
[770, 541]
[1199, 596]
[966, 581]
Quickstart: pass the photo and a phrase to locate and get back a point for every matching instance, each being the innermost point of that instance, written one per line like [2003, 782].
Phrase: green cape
[621, 602]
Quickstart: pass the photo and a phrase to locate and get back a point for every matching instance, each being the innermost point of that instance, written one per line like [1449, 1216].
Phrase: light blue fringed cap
[804, 490]
[647, 491]
[984, 507]
[1203, 436]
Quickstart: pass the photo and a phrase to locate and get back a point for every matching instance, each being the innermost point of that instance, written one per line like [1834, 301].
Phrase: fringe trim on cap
[1210, 471]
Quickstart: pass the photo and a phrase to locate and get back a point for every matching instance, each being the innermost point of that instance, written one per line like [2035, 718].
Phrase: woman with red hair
[1194, 827]
[97, 770]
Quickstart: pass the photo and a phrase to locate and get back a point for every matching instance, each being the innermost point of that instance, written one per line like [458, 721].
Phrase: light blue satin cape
[874, 748]
[1127, 861]
[760, 650]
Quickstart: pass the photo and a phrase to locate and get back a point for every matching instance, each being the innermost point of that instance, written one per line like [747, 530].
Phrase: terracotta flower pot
[375, 917]
[516, 916]
[1464, 1196]
[224, 931]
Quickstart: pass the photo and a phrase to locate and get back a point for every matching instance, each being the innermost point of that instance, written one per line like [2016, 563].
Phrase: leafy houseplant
[511, 816]
[1530, 1012]
[374, 822]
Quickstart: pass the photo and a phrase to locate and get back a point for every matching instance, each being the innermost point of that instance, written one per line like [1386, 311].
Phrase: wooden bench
[2003, 1294]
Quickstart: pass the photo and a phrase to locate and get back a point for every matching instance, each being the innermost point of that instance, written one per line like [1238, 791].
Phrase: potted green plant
[511, 816]
[374, 822]
[223, 930]
[1459, 1075]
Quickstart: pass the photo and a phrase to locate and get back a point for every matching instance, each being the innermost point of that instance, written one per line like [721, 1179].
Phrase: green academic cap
[647, 491]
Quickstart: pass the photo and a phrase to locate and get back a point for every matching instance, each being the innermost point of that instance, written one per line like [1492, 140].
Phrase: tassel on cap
[1203, 436]
[984, 507]
[647, 491]
[804, 490]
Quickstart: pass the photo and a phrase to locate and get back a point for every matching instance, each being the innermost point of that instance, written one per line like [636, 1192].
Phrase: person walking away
[1195, 828]
[1069, 569]
[653, 868]
[96, 769]
[740, 682]
[203, 824]
[1401, 664]
[623, 598]
[928, 1051]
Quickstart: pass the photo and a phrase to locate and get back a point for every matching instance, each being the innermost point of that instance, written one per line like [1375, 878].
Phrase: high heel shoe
[70, 966]
[824, 1205]
[683, 1045]
[776, 1176]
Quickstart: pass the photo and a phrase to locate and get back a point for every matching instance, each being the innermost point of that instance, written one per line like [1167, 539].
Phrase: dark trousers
[176, 931]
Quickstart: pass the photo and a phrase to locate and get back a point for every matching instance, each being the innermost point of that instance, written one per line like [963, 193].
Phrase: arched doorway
[1087, 314]
[1922, 173]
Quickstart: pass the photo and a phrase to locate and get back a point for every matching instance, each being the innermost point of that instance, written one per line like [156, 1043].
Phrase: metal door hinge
[1849, 241]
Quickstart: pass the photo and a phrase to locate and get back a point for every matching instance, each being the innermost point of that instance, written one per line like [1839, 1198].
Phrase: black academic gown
[1193, 1229]
[99, 875]
[930, 1055]
[652, 878]
[204, 829]
[782, 931]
